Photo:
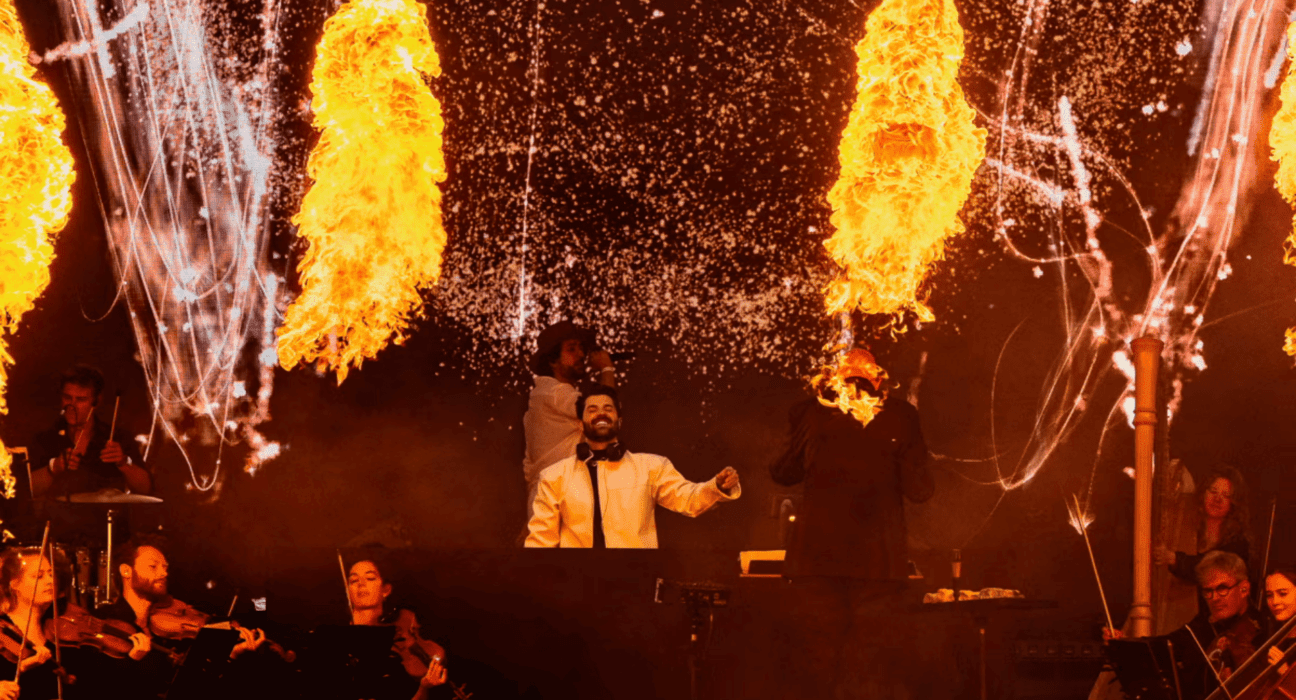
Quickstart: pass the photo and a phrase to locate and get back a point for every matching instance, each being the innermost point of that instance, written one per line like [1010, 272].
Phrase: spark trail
[179, 134]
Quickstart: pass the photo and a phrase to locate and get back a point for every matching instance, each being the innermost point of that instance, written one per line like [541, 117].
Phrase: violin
[415, 652]
[12, 644]
[1235, 645]
[75, 626]
[177, 620]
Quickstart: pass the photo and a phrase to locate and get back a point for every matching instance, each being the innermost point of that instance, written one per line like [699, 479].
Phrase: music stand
[1146, 668]
[204, 664]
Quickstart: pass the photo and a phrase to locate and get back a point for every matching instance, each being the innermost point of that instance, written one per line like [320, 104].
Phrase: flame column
[1147, 360]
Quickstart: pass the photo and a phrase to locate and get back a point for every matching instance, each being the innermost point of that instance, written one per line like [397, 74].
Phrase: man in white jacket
[604, 496]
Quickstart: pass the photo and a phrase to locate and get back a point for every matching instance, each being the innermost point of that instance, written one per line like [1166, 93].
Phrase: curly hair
[1238, 521]
[128, 552]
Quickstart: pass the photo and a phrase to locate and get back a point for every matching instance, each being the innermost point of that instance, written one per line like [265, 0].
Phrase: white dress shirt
[551, 426]
[629, 490]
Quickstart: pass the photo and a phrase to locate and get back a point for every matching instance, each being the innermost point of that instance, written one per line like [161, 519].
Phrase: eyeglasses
[1220, 590]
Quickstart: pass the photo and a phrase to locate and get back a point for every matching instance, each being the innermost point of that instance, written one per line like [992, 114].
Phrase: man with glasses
[1227, 632]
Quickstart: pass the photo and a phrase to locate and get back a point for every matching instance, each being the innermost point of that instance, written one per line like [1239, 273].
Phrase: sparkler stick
[1084, 530]
[32, 608]
[345, 586]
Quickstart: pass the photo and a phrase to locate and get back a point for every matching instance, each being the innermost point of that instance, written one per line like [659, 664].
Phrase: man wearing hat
[551, 425]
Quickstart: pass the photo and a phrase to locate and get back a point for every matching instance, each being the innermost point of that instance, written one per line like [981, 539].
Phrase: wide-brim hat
[554, 336]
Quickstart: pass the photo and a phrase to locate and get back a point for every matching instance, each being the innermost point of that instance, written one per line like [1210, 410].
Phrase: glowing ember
[1282, 139]
[834, 388]
[35, 190]
[373, 215]
[907, 159]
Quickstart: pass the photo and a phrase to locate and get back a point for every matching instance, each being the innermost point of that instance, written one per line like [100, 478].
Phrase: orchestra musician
[141, 570]
[1227, 635]
[551, 424]
[1280, 599]
[1222, 523]
[368, 591]
[604, 495]
[78, 454]
[26, 592]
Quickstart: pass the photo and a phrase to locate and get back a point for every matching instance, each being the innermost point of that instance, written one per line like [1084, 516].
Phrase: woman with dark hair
[1223, 521]
[368, 590]
[1280, 600]
[26, 592]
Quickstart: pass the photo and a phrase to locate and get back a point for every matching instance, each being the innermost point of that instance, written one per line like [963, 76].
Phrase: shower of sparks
[177, 123]
[373, 215]
[36, 175]
[1079, 516]
[1186, 263]
[907, 158]
[1282, 139]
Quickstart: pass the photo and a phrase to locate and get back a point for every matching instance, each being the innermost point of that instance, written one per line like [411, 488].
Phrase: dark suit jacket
[851, 523]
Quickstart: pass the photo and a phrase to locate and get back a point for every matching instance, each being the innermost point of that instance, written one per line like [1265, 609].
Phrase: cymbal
[112, 496]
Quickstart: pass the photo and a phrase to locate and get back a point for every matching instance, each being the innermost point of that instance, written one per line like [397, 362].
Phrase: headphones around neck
[612, 453]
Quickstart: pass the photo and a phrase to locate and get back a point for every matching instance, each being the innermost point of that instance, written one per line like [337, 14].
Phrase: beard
[606, 432]
[151, 590]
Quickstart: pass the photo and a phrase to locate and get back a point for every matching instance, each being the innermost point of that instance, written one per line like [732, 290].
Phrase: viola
[1236, 645]
[75, 626]
[415, 652]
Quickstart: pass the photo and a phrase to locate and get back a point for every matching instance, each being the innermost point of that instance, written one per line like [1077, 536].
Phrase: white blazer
[563, 513]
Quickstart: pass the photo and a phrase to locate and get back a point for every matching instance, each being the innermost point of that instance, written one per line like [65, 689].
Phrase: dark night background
[707, 189]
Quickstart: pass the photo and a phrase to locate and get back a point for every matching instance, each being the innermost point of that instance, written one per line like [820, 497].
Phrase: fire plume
[834, 387]
[36, 175]
[908, 154]
[1282, 140]
[372, 217]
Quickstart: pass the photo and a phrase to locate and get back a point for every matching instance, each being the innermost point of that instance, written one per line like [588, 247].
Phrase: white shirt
[629, 490]
[551, 426]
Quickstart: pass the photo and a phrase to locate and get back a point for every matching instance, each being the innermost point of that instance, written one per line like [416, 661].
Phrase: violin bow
[58, 654]
[1264, 570]
[1209, 664]
[346, 588]
[32, 608]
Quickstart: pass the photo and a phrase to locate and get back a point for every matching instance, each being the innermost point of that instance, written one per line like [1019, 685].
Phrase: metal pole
[108, 587]
[1147, 360]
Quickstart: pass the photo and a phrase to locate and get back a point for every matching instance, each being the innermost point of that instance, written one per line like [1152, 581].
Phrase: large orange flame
[1282, 140]
[372, 217]
[834, 388]
[907, 157]
[36, 175]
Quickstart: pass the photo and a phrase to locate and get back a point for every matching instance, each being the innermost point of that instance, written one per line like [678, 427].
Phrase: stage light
[372, 218]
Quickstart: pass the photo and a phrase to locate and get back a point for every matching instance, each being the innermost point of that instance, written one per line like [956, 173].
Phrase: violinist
[26, 592]
[1230, 630]
[1280, 598]
[368, 591]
